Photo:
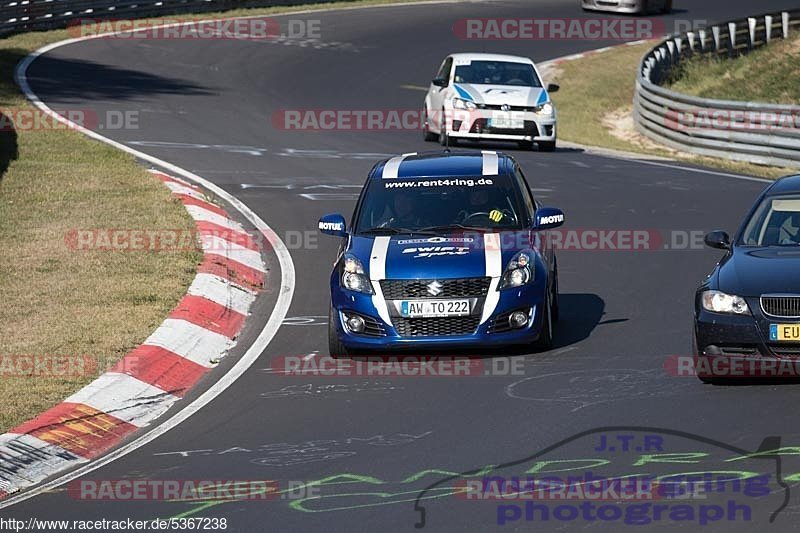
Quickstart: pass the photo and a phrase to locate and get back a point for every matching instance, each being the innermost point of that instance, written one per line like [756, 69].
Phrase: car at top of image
[749, 306]
[490, 97]
[628, 6]
[443, 250]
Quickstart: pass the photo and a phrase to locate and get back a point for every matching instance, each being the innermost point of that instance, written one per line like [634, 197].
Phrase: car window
[776, 222]
[444, 71]
[497, 73]
[527, 197]
[482, 202]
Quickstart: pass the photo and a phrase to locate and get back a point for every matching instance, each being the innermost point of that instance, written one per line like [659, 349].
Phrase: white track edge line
[245, 361]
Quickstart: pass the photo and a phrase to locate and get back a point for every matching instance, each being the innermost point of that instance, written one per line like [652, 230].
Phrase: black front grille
[782, 350]
[781, 306]
[499, 107]
[406, 289]
[500, 324]
[431, 327]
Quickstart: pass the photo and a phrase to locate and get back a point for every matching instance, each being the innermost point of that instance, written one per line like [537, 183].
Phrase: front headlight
[459, 103]
[719, 302]
[518, 272]
[544, 109]
[353, 276]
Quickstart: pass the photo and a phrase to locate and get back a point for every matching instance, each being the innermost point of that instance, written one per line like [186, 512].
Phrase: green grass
[770, 75]
[597, 86]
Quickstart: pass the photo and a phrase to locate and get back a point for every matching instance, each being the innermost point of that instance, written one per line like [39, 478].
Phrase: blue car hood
[424, 257]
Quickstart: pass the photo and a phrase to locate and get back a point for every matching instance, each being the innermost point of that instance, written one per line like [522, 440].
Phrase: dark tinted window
[484, 202]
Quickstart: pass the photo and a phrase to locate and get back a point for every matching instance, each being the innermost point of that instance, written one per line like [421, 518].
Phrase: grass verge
[595, 104]
[59, 302]
[770, 75]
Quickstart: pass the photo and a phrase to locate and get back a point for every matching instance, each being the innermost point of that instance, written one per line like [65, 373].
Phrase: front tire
[547, 146]
[556, 311]
[444, 138]
[335, 346]
[545, 340]
[427, 134]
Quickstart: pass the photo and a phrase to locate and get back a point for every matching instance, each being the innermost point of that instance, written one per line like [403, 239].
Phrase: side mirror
[548, 218]
[439, 82]
[553, 87]
[718, 239]
[333, 225]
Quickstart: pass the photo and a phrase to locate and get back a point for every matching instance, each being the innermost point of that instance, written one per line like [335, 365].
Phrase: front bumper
[617, 6]
[742, 342]
[490, 333]
[476, 125]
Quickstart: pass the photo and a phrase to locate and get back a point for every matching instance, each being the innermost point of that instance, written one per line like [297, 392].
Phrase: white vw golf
[490, 97]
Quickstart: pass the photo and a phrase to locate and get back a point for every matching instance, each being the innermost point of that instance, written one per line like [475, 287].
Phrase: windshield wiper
[398, 231]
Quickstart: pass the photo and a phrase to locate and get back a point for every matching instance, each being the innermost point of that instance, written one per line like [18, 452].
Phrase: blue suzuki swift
[444, 250]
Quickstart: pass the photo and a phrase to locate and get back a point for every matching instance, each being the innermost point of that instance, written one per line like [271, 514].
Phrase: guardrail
[26, 15]
[767, 134]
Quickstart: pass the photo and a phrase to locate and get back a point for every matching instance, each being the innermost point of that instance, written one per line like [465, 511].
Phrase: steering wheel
[515, 81]
[475, 215]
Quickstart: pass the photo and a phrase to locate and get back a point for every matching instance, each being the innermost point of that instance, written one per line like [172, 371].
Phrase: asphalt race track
[378, 443]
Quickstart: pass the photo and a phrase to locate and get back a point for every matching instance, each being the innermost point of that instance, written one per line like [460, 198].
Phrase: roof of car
[443, 164]
[788, 184]
[491, 57]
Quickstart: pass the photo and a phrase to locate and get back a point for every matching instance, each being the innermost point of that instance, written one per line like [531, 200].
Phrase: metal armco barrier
[766, 134]
[29, 15]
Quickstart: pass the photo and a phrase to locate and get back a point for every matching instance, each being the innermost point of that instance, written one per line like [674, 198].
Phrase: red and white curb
[154, 376]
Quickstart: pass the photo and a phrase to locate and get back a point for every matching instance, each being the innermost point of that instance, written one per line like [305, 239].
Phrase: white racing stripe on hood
[494, 269]
[503, 94]
[392, 166]
[377, 272]
[490, 163]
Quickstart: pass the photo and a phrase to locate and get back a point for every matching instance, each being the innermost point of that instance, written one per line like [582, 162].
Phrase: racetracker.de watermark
[250, 29]
[732, 119]
[207, 239]
[571, 29]
[398, 366]
[34, 119]
[46, 365]
[546, 29]
[712, 367]
[188, 490]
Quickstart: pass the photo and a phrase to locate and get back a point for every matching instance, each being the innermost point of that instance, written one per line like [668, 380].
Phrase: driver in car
[401, 213]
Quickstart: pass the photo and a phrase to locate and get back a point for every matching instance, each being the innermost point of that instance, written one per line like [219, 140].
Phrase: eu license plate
[434, 308]
[784, 332]
[506, 123]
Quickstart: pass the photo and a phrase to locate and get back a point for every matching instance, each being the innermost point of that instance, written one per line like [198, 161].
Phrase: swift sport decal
[434, 251]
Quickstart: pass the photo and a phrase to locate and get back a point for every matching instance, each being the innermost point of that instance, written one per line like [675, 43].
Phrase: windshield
[406, 205]
[776, 222]
[497, 73]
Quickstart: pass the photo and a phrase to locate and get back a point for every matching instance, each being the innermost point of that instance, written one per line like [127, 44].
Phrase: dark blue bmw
[748, 309]
[443, 250]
